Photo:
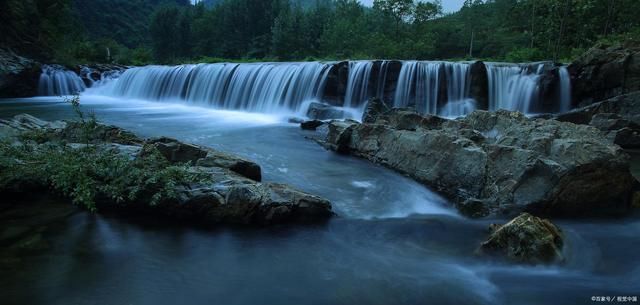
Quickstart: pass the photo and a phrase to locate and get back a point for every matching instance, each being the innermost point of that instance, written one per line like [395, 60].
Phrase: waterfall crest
[512, 87]
[55, 80]
[448, 89]
[266, 87]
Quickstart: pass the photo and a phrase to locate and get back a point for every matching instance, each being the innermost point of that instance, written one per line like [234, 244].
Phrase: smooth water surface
[393, 241]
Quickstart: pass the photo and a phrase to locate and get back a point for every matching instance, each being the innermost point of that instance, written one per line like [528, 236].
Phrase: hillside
[125, 21]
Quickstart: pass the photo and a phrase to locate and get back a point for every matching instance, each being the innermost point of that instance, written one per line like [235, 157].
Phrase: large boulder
[604, 72]
[19, 76]
[525, 239]
[499, 162]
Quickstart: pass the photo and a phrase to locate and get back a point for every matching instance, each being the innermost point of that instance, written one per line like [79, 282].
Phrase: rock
[339, 135]
[320, 111]
[604, 72]
[246, 168]
[618, 117]
[501, 162]
[311, 125]
[479, 84]
[525, 239]
[19, 76]
[177, 152]
[229, 193]
[375, 107]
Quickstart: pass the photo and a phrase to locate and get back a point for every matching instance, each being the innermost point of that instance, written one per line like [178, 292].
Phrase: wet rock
[525, 239]
[618, 117]
[604, 72]
[177, 152]
[19, 76]
[320, 111]
[375, 108]
[239, 165]
[311, 125]
[502, 162]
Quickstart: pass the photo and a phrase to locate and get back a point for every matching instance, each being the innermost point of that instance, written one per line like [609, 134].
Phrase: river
[392, 242]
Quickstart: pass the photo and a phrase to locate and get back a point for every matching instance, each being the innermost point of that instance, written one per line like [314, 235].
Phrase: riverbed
[393, 241]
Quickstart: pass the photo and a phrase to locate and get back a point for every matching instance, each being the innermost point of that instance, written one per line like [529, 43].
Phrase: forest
[162, 31]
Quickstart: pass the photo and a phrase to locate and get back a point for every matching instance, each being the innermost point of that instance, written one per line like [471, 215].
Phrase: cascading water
[55, 80]
[511, 88]
[382, 78]
[441, 88]
[565, 89]
[419, 84]
[358, 83]
[266, 87]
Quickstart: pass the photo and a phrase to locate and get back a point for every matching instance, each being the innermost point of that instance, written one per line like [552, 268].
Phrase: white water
[565, 89]
[511, 88]
[265, 87]
[358, 83]
[441, 88]
[55, 80]
[420, 82]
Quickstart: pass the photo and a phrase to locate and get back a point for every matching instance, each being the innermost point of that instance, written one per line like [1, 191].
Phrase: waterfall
[55, 80]
[382, 78]
[358, 83]
[260, 87]
[511, 88]
[565, 89]
[418, 84]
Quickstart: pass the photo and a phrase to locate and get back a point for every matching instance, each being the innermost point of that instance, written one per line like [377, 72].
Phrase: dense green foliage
[515, 30]
[171, 31]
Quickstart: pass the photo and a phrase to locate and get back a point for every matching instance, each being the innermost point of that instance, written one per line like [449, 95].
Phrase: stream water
[393, 241]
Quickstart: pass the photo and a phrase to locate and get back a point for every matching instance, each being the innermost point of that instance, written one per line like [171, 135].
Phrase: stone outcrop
[525, 239]
[618, 117]
[231, 193]
[500, 162]
[604, 72]
[19, 76]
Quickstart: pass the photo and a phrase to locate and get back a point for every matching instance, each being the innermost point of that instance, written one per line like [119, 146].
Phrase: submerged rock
[230, 191]
[499, 162]
[525, 239]
[311, 125]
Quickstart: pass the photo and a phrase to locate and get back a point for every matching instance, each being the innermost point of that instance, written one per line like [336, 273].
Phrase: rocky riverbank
[497, 163]
[117, 171]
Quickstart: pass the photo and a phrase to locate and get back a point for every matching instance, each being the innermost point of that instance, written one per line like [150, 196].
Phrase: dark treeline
[174, 31]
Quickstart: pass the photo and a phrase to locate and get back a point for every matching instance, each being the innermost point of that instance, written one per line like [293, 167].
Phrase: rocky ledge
[228, 189]
[497, 163]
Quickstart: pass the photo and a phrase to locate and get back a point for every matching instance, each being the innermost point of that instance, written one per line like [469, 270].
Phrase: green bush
[91, 173]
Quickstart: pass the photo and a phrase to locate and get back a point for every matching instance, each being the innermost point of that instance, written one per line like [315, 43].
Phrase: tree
[399, 10]
[425, 11]
[164, 34]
